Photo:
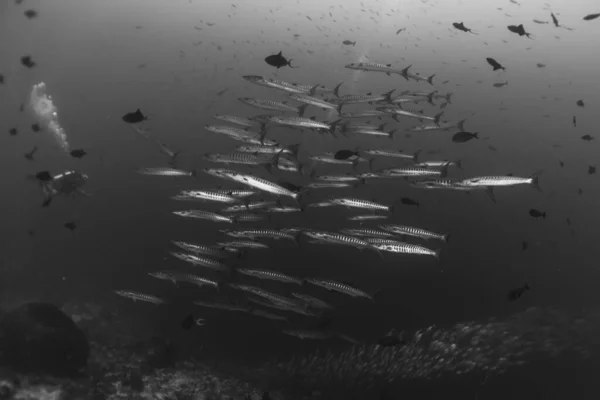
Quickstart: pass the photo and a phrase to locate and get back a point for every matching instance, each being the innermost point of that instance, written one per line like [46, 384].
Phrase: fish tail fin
[446, 237]
[461, 125]
[263, 135]
[382, 126]
[336, 90]
[458, 163]
[374, 294]
[392, 134]
[289, 63]
[476, 135]
[404, 72]
[338, 109]
[490, 192]
[395, 117]
[355, 164]
[437, 253]
[294, 148]
[436, 119]
[313, 89]
[527, 287]
[535, 180]
[449, 97]
[302, 109]
[430, 97]
[416, 156]
[333, 126]
[388, 95]
[444, 170]
[193, 173]
[430, 79]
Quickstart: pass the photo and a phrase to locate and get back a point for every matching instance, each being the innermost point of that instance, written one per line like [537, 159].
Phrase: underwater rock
[39, 337]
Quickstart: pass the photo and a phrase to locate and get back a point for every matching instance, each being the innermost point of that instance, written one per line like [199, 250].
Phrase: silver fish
[407, 248]
[253, 206]
[417, 77]
[415, 232]
[359, 203]
[440, 126]
[315, 101]
[244, 244]
[258, 233]
[149, 298]
[242, 135]
[396, 112]
[393, 153]
[242, 158]
[414, 171]
[201, 261]
[272, 275]
[369, 217]
[233, 119]
[207, 215]
[437, 164]
[177, 276]
[328, 185]
[221, 306]
[272, 105]
[261, 184]
[313, 301]
[214, 251]
[375, 67]
[341, 288]
[302, 122]
[209, 195]
[367, 233]
[493, 181]
[165, 171]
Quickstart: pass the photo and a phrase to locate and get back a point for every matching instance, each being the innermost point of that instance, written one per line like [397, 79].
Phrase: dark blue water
[101, 60]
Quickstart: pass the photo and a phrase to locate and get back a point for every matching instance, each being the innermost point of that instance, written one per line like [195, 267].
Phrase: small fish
[207, 215]
[462, 137]
[278, 60]
[524, 246]
[400, 30]
[517, 293]
[518, 29]
[77, 153]
[554, 20]
[587, 137]
[29, 155]
[500, 84]
[540, 65]
[461, 27]
[1, 79]
[495, 64]
[36, 127]
[591, 169]
[190, 321]
[409, 202]
[345, 154]
[28, 62]
[537, 213]
[537, 21]
[349, 43]
[590, 17]
[166, 171]
[71, 225]
[30, 14]
[43, 176]
[574, 122]
[140, 296]
[134, 117]
[580, 103]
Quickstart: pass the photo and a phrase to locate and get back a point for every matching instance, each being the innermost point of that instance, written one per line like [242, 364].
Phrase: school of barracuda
[258, 189]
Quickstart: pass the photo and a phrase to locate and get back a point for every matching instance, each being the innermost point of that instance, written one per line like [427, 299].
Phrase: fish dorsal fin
[388, 65]
[313, 118]
[370, 93]
[279, 53]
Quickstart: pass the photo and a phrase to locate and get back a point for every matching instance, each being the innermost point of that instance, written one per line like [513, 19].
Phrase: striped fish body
[440, 127]
[249, 217]
[330, 159]
[314, 101]
[415, 232]
[271, 275]
[276, 298]
[337, 238]
[209, 196]
[207, 215]
[359, 203]
[411, 171]
[339, 287]
[363, 98]
[283, 209]
[336, 178]
[371, 132]
[445, 184]
[135, 296]
[328, 185]
[369, 217]
[376, 67]
[241, 158]
[176, 276]
[406, 248]
[269, 105]
[201, 261]
[392, 153]
[165, 171]
[244, 244]
[496, 181]
[300, 122]
[262, 184]
[369, 233]
[254, 206]
[214, 251]
[403, 113]
[365, 114]
[233, 119]
[237, 193]
[259, 233]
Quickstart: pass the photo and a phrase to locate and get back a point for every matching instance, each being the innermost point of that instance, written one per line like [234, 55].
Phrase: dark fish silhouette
[574, 122]
[71, 225]
[495, 64]
[590, 17]
[400, 30]
[580, 103]
[278, 60]
[409, 202]
[540, 65]
[27, 62]
[1, 79]
[517, 293]
[524, 246]
[344, 154]
[348, 43]
[462, 137]
[561, 163]
[13, 131]
[29, 155]
[537, 213]
[134, 117]
[518, 29]
[43, 176]
[290, 186]
[591, 169]
[30, 14]
[554, 20]
[587, 137]
[36, 127]
[190, 321]
[500, 84]
[461, 27]
[580, 191]
[78, 153]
